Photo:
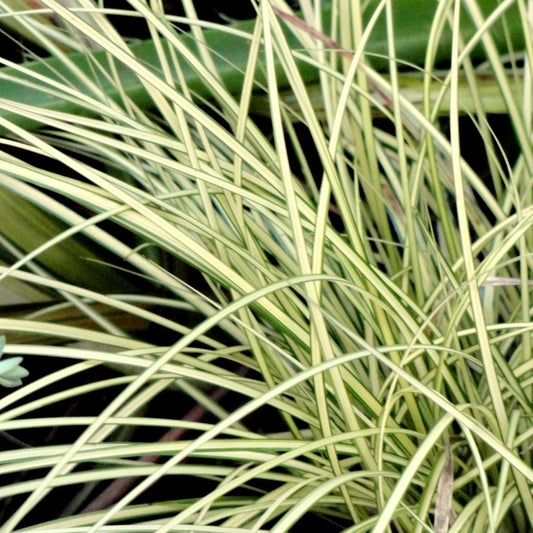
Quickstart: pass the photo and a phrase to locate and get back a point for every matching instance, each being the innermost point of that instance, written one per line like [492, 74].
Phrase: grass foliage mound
[271, 275]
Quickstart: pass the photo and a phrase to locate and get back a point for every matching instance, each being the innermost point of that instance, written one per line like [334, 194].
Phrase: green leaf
[36, 83]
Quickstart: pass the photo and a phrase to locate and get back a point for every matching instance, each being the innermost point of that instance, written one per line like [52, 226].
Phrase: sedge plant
[289, 234]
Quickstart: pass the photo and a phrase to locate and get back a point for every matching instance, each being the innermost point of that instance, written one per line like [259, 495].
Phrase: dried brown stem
[118, 488]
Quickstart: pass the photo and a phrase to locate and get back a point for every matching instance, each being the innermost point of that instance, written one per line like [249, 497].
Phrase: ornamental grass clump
[274, 274]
